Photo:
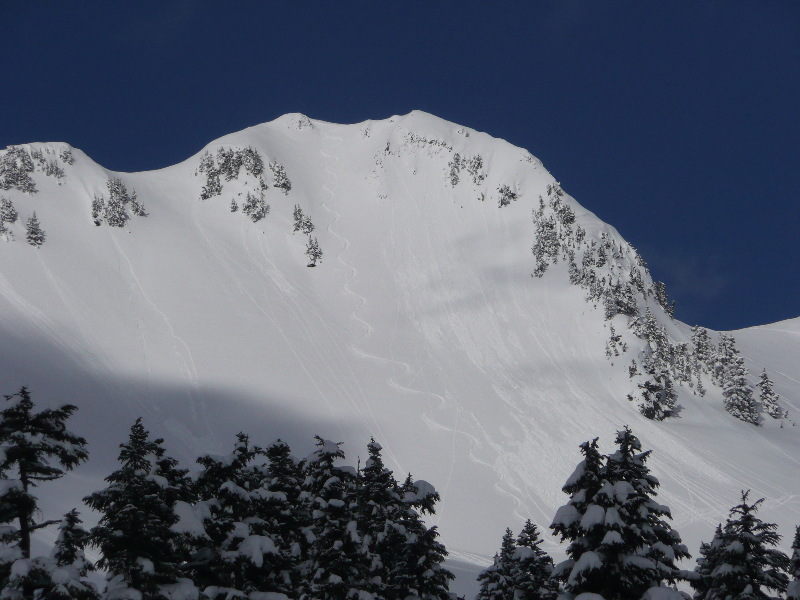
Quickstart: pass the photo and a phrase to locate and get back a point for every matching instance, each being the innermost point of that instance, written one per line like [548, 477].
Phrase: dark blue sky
[678, 123]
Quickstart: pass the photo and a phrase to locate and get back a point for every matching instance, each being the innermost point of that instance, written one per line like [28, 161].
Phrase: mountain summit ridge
[422, 323]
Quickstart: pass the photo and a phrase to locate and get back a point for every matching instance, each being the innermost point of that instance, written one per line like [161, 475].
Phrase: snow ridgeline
[612, 273]
[255, 524]
[621, 546]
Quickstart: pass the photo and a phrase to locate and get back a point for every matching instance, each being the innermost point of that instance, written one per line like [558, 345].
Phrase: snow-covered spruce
[620, 543]
[34, 233]
[793, 589]
[36, 447]
[140, 551]
[235, 553]
[741, 561]
[302, 222]
[769, 399]
[313, 251]
[521, 570]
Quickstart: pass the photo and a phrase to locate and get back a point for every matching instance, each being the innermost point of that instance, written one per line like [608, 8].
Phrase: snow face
[420, 325]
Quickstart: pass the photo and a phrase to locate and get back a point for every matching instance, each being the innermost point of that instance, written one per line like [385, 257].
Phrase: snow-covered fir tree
[289, 515]
[534, 573]
[419, 569]
[338, 564]
[8, 214]
[313, 251]
[234, 207]
[34, 232]
[656, 542]
[572, 519]
[378, 502]
[702, 349]
[139, 549]
[793, 589]
[36, 447]
[769, 399]
[737, 393]
[98, 210]
[498, 581]
[620, 543]
[301, 221]
[658, 397]
[724, 358]
[238, 555]
[68, 566]
[255, 206]
[741, 562]
[280, 180]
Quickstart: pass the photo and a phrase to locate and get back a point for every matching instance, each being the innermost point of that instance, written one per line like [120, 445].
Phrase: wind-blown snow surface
[422, 326]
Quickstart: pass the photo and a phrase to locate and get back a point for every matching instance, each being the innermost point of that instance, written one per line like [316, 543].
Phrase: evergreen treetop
[741, 562]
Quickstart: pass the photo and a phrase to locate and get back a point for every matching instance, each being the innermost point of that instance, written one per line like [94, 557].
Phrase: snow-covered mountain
[428, 322]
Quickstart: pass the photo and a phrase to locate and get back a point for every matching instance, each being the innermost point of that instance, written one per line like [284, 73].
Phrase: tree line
[620, 545]
[255, 524]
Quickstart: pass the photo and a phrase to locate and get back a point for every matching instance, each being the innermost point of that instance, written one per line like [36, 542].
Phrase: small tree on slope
[737, 393]
[741, 562]
[35, 234]
[134, 535]
[769, 399]
[36, 447]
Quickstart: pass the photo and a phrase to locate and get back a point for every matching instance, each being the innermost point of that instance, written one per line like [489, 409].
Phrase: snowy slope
[421, 326]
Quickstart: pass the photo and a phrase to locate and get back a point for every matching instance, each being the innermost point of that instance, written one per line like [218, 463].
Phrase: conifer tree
[656, 541]
[338, 564]
[620, 544]
[313, 251]
[742, 562]
[134, 535]
[769, 399]
[702, 348]
[8, 214]
[793, 590]
[708, 561]
[36, 447]
[725, 357]
[658, 397]
[572, 520]
[498, 581]
[69, 566]
[417, 568]
[290, 519]
[737, 393]
[298, 218]
[239, 555]
[534, 579]
[378, 505]
[35, 234]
